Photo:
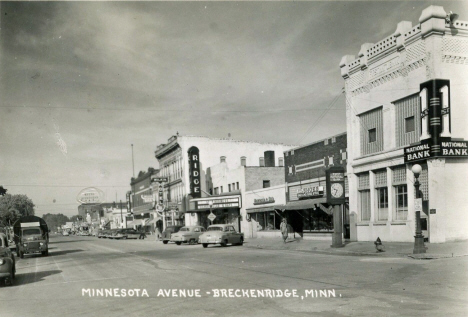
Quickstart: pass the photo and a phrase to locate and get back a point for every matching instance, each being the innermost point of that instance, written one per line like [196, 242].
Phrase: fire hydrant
[379, 246]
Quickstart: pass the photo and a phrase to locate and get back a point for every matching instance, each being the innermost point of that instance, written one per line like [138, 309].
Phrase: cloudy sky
[82, 81]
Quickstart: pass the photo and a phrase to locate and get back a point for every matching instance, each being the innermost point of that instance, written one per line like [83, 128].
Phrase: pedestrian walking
[142, 234]
[284, 229]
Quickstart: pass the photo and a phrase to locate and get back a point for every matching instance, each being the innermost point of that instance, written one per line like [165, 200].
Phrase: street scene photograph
[233, 158]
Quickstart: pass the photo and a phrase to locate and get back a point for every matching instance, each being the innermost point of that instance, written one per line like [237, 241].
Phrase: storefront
[222, 209]
[262, 212]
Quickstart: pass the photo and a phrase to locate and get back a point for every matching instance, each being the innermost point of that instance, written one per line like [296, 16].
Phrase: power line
[64, 186]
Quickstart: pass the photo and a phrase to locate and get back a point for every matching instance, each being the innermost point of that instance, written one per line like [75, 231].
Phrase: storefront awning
[261, 209]
[303, 204]
[150, 222]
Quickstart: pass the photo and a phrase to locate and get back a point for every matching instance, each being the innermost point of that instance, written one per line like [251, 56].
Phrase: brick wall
[314, 152]
[254, 177]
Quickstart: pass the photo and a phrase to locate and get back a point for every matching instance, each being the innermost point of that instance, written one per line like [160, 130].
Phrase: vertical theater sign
[194, 171]
[436, 138]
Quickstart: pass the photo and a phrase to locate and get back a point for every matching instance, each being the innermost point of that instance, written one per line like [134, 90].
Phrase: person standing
[284, 229]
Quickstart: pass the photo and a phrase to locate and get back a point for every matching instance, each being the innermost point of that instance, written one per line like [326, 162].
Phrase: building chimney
[269, 158]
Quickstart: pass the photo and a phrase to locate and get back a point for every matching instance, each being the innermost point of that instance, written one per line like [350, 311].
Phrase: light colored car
[221, 234]
[188, 234]
[7, 261]
[126, 234]
[65, 233]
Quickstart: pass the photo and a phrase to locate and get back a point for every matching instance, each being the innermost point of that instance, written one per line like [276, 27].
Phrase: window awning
[303, 204]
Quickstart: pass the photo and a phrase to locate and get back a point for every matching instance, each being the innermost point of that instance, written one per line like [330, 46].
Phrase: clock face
[337, 190]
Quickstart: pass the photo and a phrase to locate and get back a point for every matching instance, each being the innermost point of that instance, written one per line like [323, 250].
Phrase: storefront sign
[454, 149]
[310, 192]
[90, 195]
[417, 152]
[447, 149]
[229, 202]
[157, 179]
[267, 200]
[194, 172]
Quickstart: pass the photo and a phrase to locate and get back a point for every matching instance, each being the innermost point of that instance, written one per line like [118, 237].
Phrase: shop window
[262, 161]
[409, 124]
[365, 205]
[401, 202]
[382, 203]
[280, 161]
[243, 161]
[266, 184]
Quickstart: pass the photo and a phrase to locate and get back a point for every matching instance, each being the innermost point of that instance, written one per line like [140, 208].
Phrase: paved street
[64, 283]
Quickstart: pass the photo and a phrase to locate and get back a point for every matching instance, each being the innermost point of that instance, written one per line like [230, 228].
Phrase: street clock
[335, 185]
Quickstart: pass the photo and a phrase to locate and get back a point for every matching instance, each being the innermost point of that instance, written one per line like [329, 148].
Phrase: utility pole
[133, 163]
[121, 216]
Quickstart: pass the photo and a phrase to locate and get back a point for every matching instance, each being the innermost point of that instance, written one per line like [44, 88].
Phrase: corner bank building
[407, 104]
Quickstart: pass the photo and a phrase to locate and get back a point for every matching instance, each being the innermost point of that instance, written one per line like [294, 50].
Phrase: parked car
[7, 261]
[110, 233]
[65, 233]
[166, 235]
[188, 234]
[102, 233]
[128, 233]
[221, 234]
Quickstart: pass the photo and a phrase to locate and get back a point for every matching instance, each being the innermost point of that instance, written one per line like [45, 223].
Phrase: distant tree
[3, 191]
[55, 220]
[75, 218]
[13, 207]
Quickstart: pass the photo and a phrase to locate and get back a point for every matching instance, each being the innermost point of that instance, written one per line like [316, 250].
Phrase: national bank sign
[436, 138]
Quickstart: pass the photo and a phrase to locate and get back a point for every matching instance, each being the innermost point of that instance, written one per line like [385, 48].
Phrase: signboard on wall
[266, 200]
[194, 172]
[310, 192]
[218, 202]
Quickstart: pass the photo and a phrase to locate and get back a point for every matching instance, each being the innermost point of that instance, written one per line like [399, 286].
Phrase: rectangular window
[216, 191]
[330, 160]
[371, 123]
[229, 187]
[262, 161]
[401, 202]
[382, 203]
[280, 161]
[325, 142]
[243, 161]
[237, 185]
[409, 124]
[222, 159]
[220, 189]
[333, 139]
[407, 120]
[365, 205]
[266, 184]
[372, 135]
[290, 170]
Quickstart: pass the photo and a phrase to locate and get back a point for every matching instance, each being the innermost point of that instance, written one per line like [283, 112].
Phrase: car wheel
[224, 243]
[241, 242]
[205, 245]
[192, 241]
[9, 280]
[178, 243]
[165, 241]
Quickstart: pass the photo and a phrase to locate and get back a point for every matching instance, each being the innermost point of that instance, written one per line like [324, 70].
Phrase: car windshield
[215, 229]
[28, 232]
[184, 229]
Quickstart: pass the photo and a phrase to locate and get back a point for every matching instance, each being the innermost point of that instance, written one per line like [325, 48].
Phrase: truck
[31, 236]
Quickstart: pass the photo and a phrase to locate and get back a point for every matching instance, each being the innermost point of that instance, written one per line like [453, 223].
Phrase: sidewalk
[392, 249]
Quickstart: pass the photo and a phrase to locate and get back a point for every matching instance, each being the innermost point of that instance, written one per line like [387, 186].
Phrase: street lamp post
[418, 238]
